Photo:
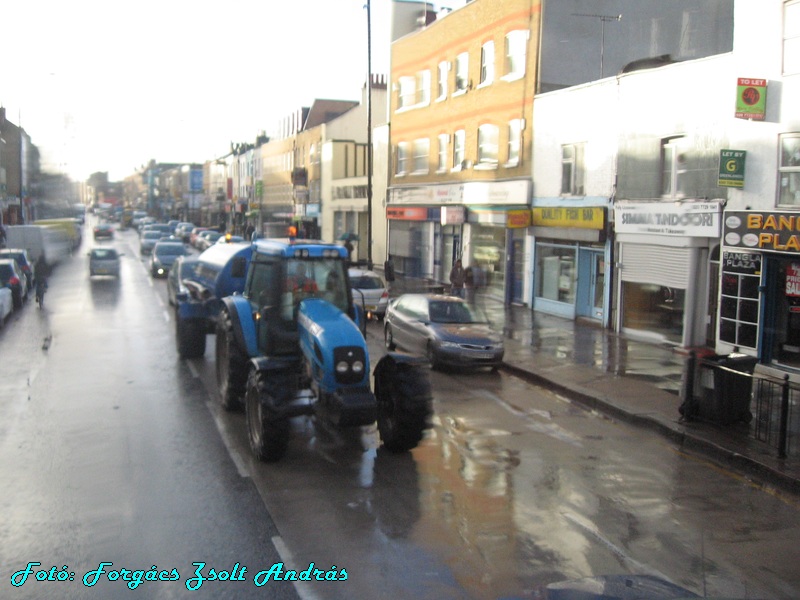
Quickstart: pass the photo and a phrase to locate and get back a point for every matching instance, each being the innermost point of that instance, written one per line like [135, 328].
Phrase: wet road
[117, 451]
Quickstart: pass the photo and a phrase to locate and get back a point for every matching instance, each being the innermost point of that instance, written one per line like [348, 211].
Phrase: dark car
[103, 231]
[163, 256]
[11, 276]
[446, 329]
[182, 268]
[21, 256]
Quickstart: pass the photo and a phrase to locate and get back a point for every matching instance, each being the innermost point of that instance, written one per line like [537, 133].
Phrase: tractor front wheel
[268, 433]
[403, 393]
[231, 364]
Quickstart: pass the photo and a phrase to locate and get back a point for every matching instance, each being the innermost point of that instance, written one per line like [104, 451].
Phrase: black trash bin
[727, 386]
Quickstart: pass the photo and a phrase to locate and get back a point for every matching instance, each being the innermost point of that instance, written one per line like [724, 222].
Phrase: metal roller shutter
[659, 265]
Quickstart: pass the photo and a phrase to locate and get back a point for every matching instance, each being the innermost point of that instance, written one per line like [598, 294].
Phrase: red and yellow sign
[405, 213]
[518, 219]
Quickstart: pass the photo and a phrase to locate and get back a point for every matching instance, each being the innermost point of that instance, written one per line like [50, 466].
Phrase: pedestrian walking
[457, 280]
[388, 270]
[469, 285]
[349, 246]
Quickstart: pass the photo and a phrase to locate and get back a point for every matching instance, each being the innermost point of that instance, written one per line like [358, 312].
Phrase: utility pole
[369, 137]
[603, 20]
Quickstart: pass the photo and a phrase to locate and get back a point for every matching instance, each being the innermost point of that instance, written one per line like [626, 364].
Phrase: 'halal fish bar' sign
[770, 231]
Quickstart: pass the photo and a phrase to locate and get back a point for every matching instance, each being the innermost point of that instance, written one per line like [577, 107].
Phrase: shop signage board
[687, 219]
[587, 217]
[762, 230]
[453, 215]
[741, 262]
[731, 168]
[793, 279]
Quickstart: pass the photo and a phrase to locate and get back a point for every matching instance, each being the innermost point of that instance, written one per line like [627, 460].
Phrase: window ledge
[485, 84]
[459, 92]
[511, 164]
[485, 166]
[512, 77]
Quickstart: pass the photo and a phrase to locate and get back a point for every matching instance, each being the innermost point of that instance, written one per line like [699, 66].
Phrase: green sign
[731, 168]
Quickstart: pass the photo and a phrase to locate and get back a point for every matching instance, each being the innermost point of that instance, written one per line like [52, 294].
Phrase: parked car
[104, 261]
[369, 288]
[164, 228]
[6, 304]
[21, 256]
[103, 231]
[207, 238]
[446, 329]
[181, 269]
[163, 256]
[12, 277]
[148, 239]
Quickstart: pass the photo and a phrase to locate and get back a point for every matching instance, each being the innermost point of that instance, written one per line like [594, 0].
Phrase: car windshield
[152, 235]
[447, 311]
[104, 254]
[366, 282]
[170, 249]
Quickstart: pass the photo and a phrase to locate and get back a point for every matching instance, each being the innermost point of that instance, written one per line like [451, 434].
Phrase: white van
[38, 241]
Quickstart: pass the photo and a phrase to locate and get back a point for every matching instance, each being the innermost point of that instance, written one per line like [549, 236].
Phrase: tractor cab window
[315, 278]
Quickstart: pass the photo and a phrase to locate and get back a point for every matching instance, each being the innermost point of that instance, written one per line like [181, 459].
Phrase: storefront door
[516, 270]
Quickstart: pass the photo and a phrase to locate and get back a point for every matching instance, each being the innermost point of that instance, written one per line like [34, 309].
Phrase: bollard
[688, 407]
[784, 424]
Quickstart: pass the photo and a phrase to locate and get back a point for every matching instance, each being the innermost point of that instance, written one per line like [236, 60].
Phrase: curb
[767, 476]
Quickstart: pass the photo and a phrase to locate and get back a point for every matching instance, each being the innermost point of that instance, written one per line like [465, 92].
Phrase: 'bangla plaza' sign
[772, 231]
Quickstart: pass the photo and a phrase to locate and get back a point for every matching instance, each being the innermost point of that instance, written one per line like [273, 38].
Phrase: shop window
[654, 308]
[572, 170]
[789, 175]
[555, 273]
[739, 299]
[791, 37]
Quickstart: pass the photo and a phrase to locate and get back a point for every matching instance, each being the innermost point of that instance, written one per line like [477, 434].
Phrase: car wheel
[388, 338]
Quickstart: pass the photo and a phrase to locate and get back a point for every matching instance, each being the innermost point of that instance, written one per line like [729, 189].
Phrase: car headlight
[448, 345]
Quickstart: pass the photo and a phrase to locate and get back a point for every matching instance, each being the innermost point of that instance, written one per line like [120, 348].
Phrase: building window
[487, 63]
[673, 167]
[789, 184]
[444, 140]
[572, 170]
[462, 72]
[516, 53]
[459, 142]
[423, 88]
[488, 136]
[444, 69]
[402, 158]
[422, 147]
[515, 128]
[791, 37]
[407, 94]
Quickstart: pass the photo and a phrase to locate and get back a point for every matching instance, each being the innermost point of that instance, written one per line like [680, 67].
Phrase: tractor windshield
[317, 278]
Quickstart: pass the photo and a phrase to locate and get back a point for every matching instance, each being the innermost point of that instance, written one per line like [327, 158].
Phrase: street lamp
[369, 137]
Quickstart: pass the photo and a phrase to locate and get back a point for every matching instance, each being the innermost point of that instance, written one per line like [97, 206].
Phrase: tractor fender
[243, 323]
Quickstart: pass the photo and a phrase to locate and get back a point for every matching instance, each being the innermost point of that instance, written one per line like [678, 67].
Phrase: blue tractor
[293, 344]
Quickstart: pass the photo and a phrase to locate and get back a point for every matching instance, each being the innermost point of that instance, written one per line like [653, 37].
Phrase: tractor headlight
[350, 363]
[358, 367]
[342, 366]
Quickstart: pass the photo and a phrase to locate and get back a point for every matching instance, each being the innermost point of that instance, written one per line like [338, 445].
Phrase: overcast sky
[107, 86]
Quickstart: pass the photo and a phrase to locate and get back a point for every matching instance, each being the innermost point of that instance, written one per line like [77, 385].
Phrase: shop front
[571, 255]
[412, 230]
[760, 286]
[662, 269]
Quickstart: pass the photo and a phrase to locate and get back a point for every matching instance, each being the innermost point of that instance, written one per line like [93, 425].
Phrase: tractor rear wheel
[268, 433]
[403, 393]
[231, 364]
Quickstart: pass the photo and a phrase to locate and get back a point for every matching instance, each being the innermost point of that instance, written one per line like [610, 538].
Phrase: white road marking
[303, 588]
[241, 468]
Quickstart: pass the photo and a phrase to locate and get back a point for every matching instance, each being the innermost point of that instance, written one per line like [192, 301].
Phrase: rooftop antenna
[603, 20]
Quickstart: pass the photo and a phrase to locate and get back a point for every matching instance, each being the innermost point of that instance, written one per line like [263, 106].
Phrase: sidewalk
[630, 380]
